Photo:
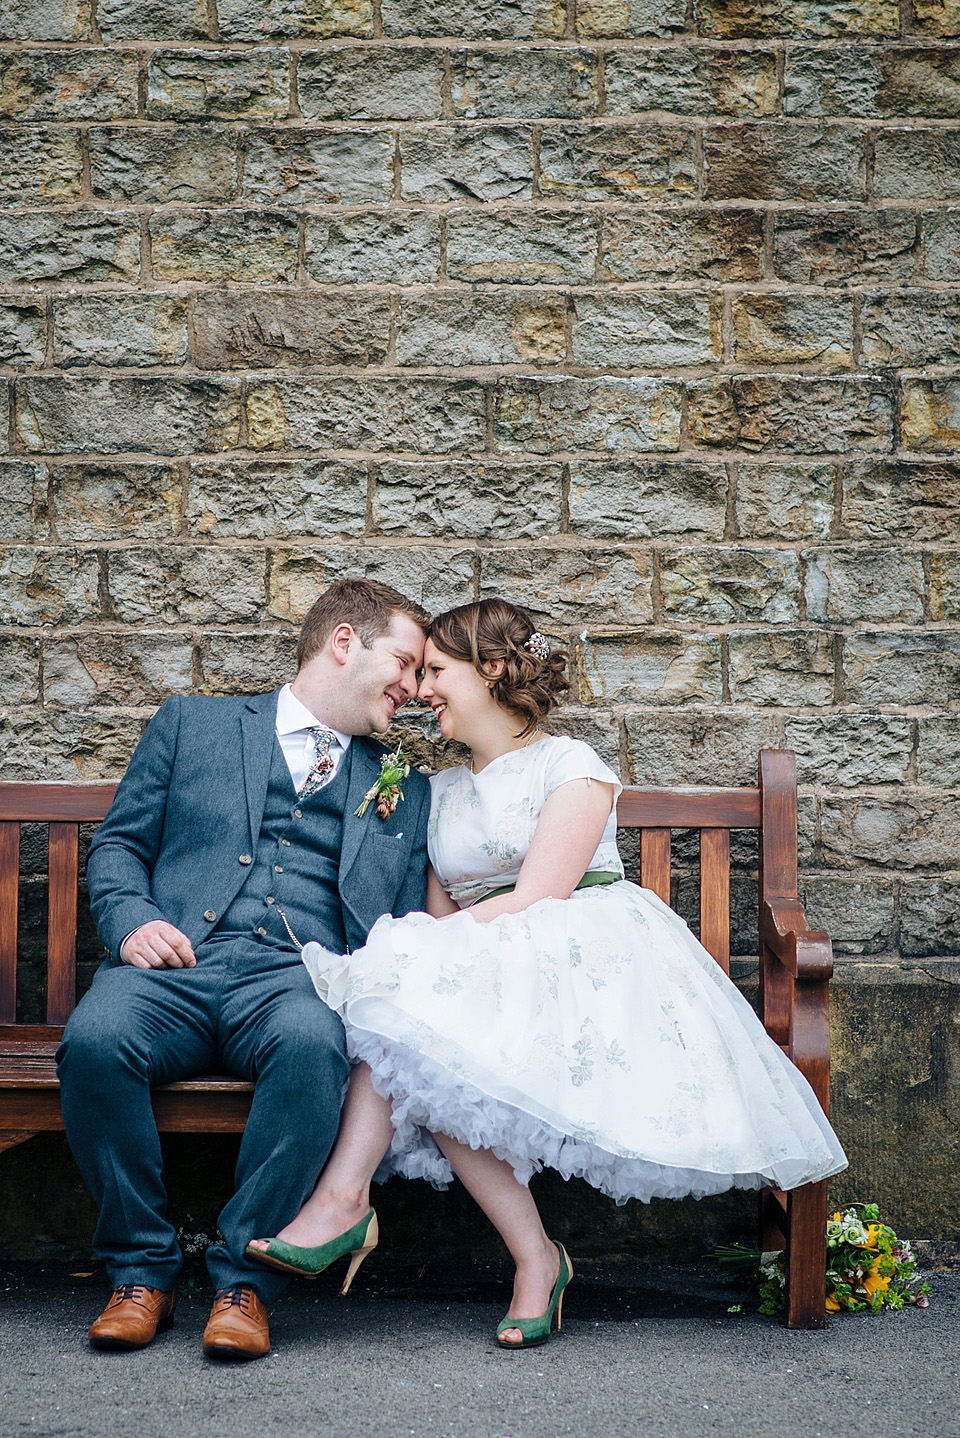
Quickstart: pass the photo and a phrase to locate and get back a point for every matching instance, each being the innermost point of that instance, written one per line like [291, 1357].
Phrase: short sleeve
[572, 759]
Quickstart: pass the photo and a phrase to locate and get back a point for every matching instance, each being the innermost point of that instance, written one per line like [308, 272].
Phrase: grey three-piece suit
[207, 832]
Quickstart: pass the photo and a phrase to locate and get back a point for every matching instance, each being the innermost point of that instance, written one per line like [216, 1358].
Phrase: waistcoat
[294, 866]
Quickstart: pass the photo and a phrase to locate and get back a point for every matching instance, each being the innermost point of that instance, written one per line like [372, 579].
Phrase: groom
[233, 830]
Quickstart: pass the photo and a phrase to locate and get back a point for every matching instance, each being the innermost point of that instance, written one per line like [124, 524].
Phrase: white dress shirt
[293, 722]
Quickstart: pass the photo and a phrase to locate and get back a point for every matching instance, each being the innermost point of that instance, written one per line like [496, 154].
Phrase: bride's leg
[511, 1209]
[342, 1195]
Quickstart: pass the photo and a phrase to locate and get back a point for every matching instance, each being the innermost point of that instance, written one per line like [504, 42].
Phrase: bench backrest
[771, 807]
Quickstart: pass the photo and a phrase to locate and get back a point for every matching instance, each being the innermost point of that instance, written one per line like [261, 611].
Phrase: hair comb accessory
[538, 644]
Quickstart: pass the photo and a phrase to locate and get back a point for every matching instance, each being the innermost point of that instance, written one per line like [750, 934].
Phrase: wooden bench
[795, 968]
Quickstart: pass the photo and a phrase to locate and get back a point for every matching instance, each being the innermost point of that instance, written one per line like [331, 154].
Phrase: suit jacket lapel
[364, 768]
[258, 724]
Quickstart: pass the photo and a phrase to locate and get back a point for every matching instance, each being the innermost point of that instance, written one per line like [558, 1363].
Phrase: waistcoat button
[285, 843]
[246, 858]
[209, 915]
[278, 868]
[261, 931]
[298, 813]
[269, 899]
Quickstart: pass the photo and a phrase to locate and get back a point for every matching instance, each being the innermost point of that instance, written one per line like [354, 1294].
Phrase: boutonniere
[387, 790]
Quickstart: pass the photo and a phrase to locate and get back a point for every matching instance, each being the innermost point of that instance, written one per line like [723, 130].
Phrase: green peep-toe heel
[537, 1330]
[358, 1241]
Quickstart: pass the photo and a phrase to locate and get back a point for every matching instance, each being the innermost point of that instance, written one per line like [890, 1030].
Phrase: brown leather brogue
[237, 1327]
[133, 1317]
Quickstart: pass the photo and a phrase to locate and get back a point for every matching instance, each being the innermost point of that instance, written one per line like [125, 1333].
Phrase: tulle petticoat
[593, 1035]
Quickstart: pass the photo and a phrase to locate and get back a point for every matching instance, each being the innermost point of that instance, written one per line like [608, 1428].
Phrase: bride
[543, 1010]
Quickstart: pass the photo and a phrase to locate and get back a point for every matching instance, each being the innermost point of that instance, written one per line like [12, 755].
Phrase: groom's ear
[343, 638]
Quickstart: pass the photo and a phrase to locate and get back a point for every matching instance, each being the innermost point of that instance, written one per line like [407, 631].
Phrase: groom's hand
[158, 945]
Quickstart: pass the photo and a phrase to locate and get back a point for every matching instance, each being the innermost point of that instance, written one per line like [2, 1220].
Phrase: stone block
[78, 248]
[910, 327]
[142, 669]
[940, 18]
[394, 248]
[219, 85]
[572, 586]
[153, 166]
[929, 917]
[940, 244]
[84, 415]
[23, 332]
[938, 752]
[875, 83]
[475, 19]
[290, 19]
[521, 246]
[839, 246]
[901, 499]
[919, 830]
[459, 162]
[877, 586]
[23, 514]
[767, 162]
[39, 166]
[188, 584]
[724, 586]
[370, 83]
[524, 84]
[5, 398]
[783, 669]
[152, 20]
[50, 586]
[795, 413]
[224, 245]
[269, 499]
[45, 19]
[115, 501]
[719, 748]
[233, 663]
[945, 586]
[68, 85]
[692, 80]
[481, 329]
[648, 499]
[68, 746]
[650, 330]
[845, 750]
[260, 330]
[645, 668]
[672, 245]
[858, 914]
[19, 670]
[778, 329]
[119, 330]
[436, 578]
[930, 414]
[785, 501]
[902, 669]
[450, 499]
[336, 167]
[617, 162]
[821, 18]
[425, 416]
[541, 416]
[917, 164]
[616, 19]
[596, 727]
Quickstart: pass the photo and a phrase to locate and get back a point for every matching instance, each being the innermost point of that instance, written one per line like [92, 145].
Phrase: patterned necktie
[322, 766]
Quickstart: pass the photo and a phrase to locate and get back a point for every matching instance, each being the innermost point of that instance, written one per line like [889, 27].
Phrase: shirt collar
[292, 716]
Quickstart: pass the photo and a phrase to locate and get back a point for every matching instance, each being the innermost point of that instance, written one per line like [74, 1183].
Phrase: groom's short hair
[365, 604]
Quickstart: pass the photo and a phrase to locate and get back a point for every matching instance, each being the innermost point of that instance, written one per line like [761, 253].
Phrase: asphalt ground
[644, 1351]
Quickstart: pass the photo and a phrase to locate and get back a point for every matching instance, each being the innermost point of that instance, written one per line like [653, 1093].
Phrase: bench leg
[807, 1256]
[12, 1137]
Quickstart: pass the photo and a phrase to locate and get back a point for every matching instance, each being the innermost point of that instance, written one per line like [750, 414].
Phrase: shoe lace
[239, 1297]
[128, 1290]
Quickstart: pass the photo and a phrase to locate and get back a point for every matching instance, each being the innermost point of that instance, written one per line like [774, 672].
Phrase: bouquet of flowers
[868, 1267]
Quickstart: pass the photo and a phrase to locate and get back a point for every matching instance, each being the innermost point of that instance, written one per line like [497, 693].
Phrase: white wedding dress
[592, 1034]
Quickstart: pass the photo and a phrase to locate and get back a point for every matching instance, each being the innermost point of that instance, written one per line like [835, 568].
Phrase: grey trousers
[246, 1008]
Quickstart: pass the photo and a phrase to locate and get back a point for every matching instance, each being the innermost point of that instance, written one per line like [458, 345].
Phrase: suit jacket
[191, 803]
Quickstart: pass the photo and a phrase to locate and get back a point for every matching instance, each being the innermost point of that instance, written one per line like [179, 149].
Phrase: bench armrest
[806, 953]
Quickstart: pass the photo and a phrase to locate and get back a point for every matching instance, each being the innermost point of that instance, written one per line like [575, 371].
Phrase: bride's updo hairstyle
[534, 675]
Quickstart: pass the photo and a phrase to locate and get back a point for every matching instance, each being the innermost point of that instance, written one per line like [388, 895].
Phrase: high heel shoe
[358, 1241]
[537, 1330]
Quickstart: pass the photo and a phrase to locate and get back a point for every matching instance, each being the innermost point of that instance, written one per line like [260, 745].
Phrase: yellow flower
[832, 1306]
[873, 1283]
[873, 1233]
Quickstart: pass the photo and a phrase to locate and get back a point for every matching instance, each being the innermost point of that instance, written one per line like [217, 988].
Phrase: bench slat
[64, 872]
[9, 890]
[715, 894]
[40, 803]
[655, 862]
[689, 809]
